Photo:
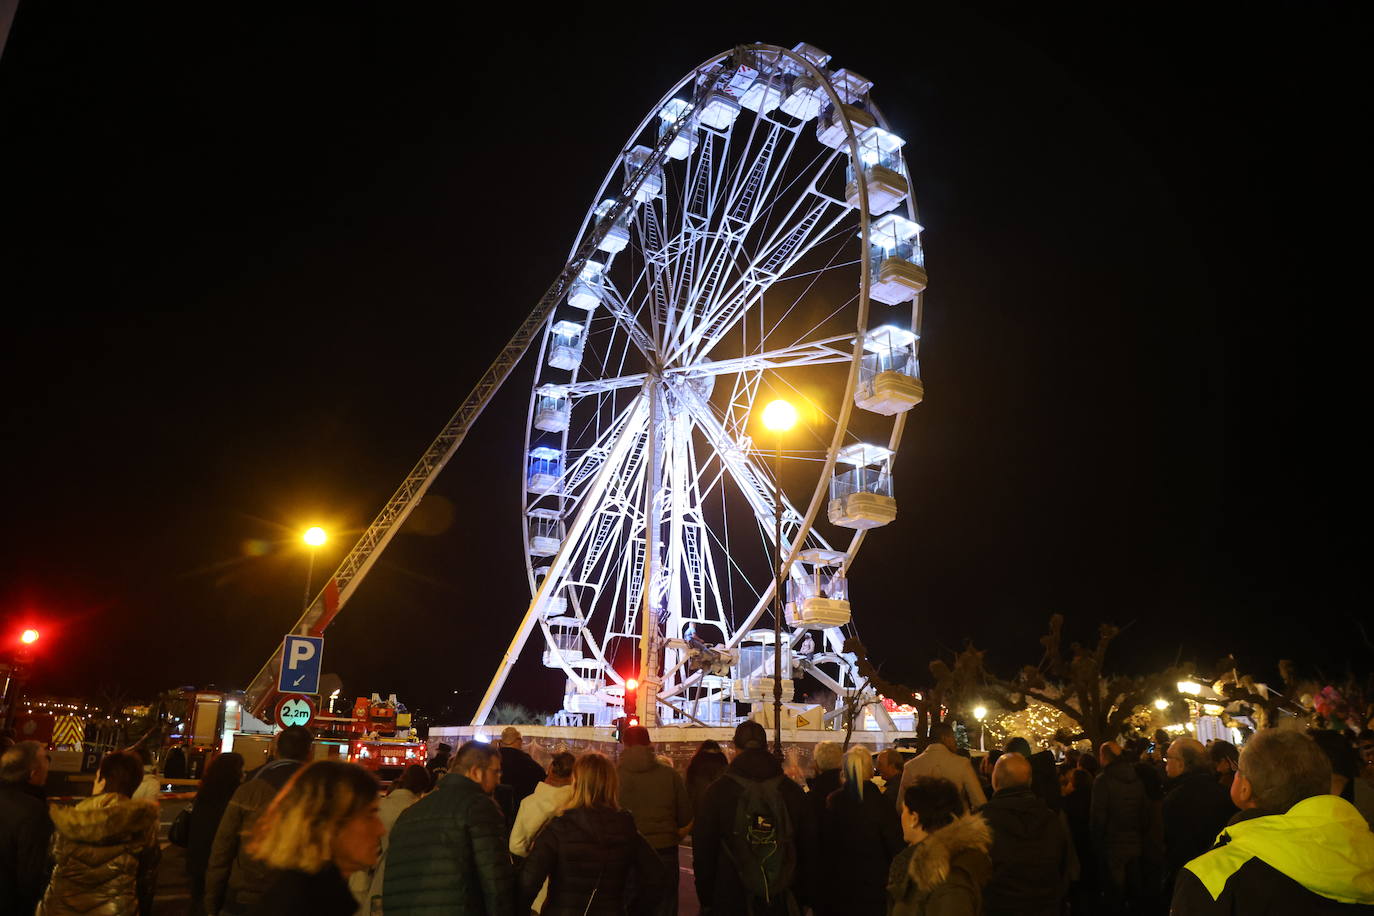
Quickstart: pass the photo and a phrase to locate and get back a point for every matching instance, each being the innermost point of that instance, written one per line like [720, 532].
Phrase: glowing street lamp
[29, 637]
[314, 538]
[1161, 704]
[980, 713]
[778, 417]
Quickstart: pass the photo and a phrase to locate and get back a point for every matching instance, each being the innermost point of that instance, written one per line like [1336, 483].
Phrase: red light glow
[29, 637]
[631, 684]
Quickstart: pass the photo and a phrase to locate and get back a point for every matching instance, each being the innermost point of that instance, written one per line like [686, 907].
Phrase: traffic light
[631, 701]
[29, 637]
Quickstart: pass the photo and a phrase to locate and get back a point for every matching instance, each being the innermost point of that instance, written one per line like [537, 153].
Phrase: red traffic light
[29, 637]
[631, 684]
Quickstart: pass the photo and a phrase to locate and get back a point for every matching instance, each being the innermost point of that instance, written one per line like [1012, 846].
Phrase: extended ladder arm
[340, 587]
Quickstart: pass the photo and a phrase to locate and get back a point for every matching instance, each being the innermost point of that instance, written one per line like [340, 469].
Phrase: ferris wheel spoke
[788, 245]
[836, 349]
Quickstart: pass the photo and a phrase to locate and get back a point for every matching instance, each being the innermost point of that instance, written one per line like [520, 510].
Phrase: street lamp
[29, 637]
[778, 417]
[1161, 704]
[980, 713]
[314, 537]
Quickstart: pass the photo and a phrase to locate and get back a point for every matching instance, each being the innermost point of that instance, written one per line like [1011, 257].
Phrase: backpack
[762, 843]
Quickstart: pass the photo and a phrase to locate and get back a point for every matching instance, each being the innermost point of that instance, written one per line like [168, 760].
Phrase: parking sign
[300, 664]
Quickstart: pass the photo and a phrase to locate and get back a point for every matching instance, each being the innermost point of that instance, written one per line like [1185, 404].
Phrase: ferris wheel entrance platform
[674, 741]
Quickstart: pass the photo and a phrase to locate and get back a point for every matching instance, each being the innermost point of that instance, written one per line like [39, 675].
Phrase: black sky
[253, 259]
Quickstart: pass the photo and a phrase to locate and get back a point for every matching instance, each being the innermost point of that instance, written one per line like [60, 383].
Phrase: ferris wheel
[757, 239]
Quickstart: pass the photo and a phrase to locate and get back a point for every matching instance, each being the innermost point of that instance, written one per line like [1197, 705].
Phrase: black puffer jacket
[591, 857]
[718, 884]
[25, 833]
[1120, 813]
[1030, 855]
[863, 837]
[1195, 811]
[449, 853]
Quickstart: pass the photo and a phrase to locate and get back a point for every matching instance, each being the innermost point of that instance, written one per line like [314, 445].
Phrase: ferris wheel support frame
[341, 586]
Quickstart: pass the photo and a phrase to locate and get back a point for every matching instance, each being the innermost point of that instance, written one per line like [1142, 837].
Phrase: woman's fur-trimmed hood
[105, 819]
[930, 860]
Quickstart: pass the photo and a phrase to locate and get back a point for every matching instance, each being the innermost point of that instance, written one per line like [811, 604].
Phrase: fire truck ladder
[339, 588]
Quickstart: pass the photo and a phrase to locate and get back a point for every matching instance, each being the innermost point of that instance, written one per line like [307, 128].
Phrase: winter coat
[448, 854]
[1119, 816]
[1031, 855]
[706, 767]
[938, 760]
[106, 852]
[301, 893]
[1195, 811]
[862, 837]
[521, 773]
[205, 817]
[1045, 780]
[818, 789]
[1318, 858]
[943, 874]
[718, 884]
[655, 795]
[535, 812]
[25, 832]
[1077, 812]
[234, 879]
[590, 857]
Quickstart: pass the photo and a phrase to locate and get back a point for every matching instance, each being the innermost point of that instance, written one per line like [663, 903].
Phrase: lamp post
[980, 713]
[778, 417]
[314, 537]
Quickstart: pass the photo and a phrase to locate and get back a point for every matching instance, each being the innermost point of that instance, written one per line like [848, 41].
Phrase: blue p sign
[300, 664]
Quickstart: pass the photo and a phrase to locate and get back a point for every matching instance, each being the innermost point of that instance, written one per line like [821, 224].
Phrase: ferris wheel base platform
[674, 741]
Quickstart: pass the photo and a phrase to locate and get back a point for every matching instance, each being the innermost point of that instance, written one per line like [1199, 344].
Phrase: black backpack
[762, 843]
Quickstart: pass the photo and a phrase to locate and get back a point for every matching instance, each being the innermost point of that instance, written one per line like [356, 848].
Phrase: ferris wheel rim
[842, 422]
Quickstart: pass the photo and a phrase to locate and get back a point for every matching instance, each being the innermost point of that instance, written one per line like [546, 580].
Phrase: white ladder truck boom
[339, 588]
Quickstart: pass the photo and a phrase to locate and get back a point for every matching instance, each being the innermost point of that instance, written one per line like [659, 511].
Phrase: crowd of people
[1281, 826]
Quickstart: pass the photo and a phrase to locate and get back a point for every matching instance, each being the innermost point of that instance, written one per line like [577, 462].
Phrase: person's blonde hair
[827, 755]
[858, 769]
[596, 784]
[297, 830]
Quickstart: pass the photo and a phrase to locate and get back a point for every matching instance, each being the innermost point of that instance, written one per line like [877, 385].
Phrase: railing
[892, 361]
[833, 586]
[546, 528]
[860, 480]
[907, 251]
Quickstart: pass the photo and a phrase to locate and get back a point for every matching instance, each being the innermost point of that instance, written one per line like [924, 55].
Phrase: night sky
[252, 261]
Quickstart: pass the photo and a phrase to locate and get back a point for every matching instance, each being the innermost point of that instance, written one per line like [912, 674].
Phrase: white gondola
[546, 532]
[685, 143]
[565, 644]
[889, 376]
[896, 262]
[849, 86]
[552, 411]
[861, 497]
[719, 110]
[585, 292]
[544, 470]
[565, 345]
[820, 598]
[752, 678]
[618, 234]
[765, 95]
[652, 185]
[830, 128]
[880, 155]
